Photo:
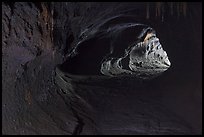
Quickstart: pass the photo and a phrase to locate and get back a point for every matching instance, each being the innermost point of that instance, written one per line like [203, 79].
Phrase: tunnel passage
[116, 47]
[36, 37]
[88, 58]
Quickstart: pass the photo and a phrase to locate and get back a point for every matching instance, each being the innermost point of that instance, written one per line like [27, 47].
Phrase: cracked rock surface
[39, 97]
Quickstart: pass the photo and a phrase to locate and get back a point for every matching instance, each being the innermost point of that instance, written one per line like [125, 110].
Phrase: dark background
[37, 36]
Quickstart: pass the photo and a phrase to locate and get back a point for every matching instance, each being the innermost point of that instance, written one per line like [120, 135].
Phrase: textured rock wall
[29, 57]
[36, 37]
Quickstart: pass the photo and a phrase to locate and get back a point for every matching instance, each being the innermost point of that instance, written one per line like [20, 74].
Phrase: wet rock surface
[38, 37]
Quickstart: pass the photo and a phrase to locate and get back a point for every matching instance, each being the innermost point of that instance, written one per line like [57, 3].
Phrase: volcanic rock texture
[36, 37]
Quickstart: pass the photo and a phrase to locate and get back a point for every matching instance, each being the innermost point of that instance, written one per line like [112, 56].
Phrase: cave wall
[28, 50]
[38, 36]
